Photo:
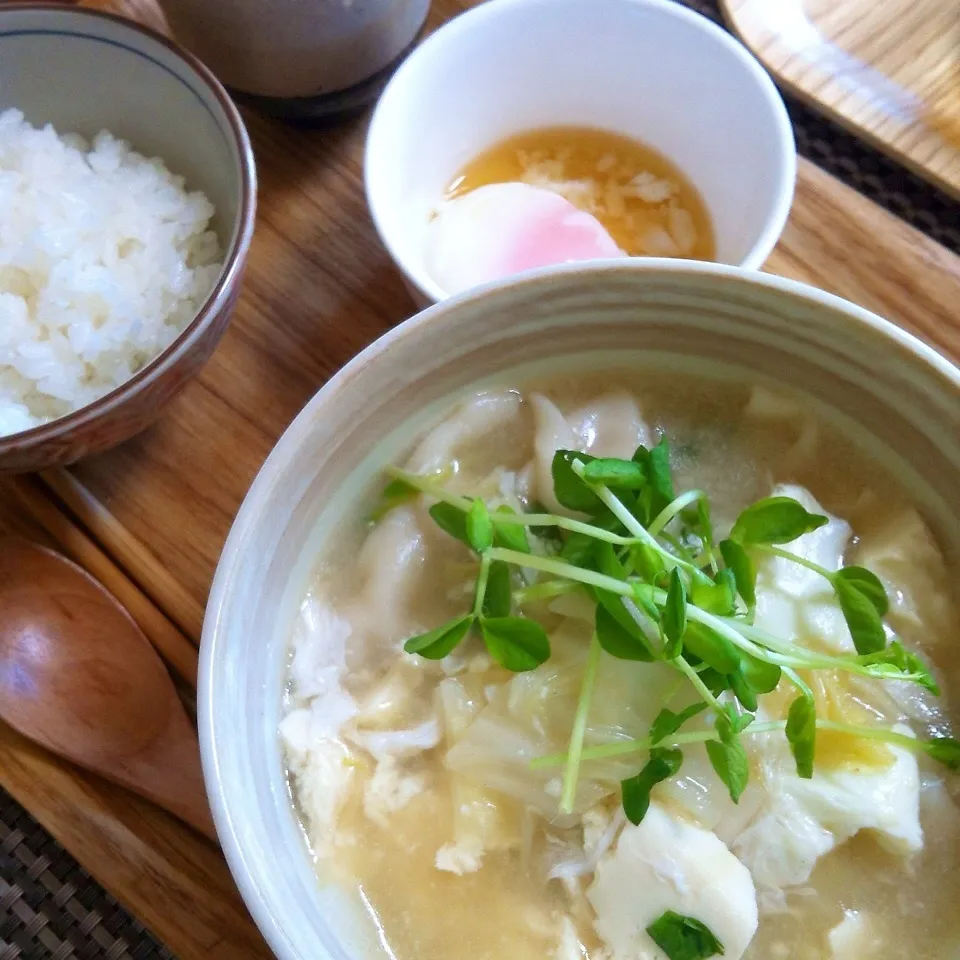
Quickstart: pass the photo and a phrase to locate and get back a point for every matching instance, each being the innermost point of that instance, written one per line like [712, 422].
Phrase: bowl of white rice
[127, 202]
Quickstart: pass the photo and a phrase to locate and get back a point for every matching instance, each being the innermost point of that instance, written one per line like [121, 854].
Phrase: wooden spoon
[78, 676]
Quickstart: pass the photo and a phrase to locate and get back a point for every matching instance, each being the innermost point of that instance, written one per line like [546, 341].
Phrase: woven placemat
[51, 909]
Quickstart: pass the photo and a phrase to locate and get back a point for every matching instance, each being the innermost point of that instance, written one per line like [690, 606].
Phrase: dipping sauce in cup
[560, 194]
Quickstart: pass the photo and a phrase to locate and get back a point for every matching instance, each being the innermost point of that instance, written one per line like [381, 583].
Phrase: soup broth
[413, 776]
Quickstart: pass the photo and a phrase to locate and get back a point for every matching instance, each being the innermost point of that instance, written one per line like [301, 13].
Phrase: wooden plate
[889, 71]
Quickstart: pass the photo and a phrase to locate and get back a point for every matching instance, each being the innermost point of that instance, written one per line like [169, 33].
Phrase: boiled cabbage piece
[702, 796]
[529, 716]
[904, 555]
[668, 864]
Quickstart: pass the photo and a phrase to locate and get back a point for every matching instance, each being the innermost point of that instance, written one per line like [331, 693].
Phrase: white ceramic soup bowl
[650, 69]
[901, 396]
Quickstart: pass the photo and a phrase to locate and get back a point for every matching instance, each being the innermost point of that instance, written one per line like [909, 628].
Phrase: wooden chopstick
[152, 577]
[171, 644]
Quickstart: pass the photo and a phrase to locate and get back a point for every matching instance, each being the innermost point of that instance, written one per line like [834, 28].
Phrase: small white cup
[650, 69]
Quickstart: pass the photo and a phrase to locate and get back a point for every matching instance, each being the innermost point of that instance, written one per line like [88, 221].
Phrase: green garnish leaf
[711, 648]
[775, 520]
[607, 561]
[903, 661]
[863, 621]
[611, 472]
[706, 522]
[754, 676]
[674, 618]
[613, 604]
[436, 644]
[511, 536]
[399, 488]
[618, 640]
[802, 734]
[743, 692]
[656, 464]
[393, 494]
[945, 750]
[668, 722]
[713, 680]
[516, 643]
[635, 791]
[643, 598]
[605, 519]
[727, 755]
[578, 549]
[569, 489]
[730, 723]
[450, 520]
[759, 675]
[744, 572]
[683, 938]
[479, 526]
[646, 596]
[731, 764]
[497, 601]
[660, 477]
[646, 562]
[866, 583]
[718, 597]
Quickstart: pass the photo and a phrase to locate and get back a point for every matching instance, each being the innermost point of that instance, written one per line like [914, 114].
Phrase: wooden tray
[318, 289]
[889, 71]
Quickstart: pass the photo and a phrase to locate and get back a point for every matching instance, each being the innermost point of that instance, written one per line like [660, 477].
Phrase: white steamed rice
[104, 259]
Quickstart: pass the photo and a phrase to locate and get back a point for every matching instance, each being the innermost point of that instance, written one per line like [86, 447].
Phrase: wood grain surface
[319, 288]
[28, 498]
[888, 70]
[171, 879]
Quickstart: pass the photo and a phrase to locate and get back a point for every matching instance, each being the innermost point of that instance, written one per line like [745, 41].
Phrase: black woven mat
[50, 908]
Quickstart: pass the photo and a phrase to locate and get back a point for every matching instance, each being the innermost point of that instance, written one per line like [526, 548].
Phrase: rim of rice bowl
[234, 246]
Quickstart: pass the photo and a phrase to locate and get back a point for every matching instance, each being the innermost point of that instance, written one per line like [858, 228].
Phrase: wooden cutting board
[889, 71]
[319, 288]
